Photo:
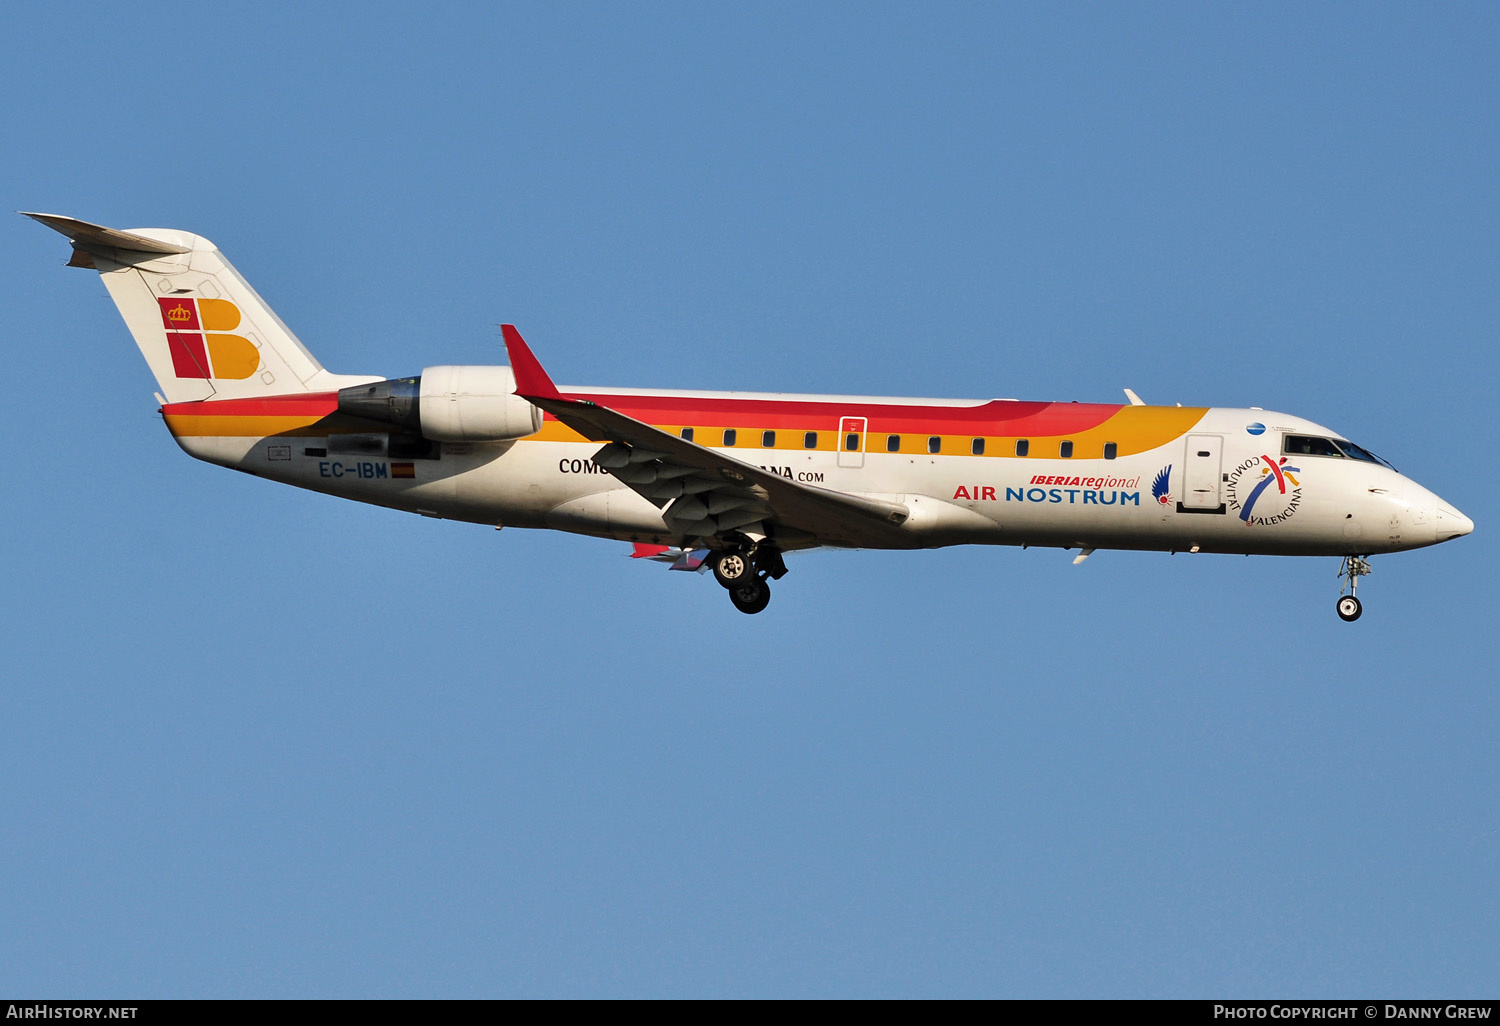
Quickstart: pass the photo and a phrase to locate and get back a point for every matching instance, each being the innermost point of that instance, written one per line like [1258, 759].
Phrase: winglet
[531, 381]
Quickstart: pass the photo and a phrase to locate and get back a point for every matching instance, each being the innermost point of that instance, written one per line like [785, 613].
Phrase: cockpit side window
[1310, 445]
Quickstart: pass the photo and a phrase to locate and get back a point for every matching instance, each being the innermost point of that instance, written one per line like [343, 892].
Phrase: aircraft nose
[1450, 522]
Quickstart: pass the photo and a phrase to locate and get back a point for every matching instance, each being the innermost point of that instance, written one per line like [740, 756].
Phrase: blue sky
[259, 742]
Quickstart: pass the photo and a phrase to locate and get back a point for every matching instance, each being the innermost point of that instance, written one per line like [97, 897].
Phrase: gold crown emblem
[179, 313]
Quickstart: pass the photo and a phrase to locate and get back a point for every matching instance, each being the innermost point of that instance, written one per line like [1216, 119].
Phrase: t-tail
[203, 330]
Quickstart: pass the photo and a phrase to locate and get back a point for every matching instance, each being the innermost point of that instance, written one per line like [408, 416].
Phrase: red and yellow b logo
[197, 339]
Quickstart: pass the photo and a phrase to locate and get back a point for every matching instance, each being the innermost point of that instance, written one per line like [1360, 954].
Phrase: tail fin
[204, 331]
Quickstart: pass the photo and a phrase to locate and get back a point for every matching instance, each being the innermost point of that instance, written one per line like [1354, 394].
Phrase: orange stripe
[208, 426]
[1133, 429]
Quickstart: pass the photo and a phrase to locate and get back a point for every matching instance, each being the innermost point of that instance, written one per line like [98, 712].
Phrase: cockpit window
[1310, 445]
[1355, 452]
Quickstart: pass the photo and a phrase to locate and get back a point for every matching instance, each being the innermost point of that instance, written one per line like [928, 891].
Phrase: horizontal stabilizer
[680, 558]
[96, 236]
[691, 559]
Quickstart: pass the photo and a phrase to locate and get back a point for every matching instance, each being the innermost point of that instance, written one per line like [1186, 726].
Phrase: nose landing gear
[1353, 568]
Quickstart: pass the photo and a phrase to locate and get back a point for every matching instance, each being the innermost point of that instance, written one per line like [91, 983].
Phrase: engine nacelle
[448, 404]
[475, 404]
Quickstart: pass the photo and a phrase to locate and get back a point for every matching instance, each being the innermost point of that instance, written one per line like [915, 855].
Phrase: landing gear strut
[1353, 567]
[747, 574]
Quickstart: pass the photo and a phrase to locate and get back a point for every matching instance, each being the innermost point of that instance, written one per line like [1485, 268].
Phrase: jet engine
[448, 404]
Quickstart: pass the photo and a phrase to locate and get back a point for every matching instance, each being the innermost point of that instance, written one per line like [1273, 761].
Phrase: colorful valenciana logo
[197, 337]
[1251, 493]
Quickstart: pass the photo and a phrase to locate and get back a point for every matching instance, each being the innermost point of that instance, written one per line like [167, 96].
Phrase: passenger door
[1203, 475]
[852, 441]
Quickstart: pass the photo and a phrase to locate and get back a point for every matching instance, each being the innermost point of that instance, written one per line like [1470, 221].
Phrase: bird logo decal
[1161, 484]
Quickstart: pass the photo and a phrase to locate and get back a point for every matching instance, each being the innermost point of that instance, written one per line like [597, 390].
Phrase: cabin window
[935, 444]
[768, 439]
[892, 443]
[687, 434]
[977, 448]
[851, 442]
[729, 434]
[1110, 450]
[1065, 450]
[1023, 446]
[810, 440]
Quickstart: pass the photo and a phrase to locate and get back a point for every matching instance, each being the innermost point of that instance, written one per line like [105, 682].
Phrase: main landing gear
[744, 573]
[1353, 567]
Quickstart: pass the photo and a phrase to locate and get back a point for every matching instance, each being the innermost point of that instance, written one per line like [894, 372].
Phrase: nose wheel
[1352, 569]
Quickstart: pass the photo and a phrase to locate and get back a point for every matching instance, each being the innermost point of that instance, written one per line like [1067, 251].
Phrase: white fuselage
[1213, 498]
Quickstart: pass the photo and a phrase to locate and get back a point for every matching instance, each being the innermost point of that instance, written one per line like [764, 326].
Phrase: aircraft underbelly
[951, 499]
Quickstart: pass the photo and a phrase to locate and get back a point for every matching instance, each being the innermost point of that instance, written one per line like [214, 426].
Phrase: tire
[751, 595]
[731, 568]
[1349, 609]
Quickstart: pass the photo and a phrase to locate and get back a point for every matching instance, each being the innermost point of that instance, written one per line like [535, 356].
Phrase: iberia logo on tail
[198, 340]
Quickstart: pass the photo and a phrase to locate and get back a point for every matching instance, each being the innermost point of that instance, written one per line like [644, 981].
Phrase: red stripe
[316, 404]
[996, 417]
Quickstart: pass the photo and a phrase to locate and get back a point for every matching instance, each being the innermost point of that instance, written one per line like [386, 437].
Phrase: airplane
[733, 481]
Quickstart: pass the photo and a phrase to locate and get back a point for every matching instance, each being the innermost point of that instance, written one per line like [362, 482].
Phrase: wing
[702, 493]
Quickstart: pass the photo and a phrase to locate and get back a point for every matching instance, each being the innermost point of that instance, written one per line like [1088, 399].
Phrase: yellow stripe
[1134, 429]
[202, 425]
[221, 425]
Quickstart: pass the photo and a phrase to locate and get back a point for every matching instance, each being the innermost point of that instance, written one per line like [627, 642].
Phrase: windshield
[1355, 452]
[1338, 448]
